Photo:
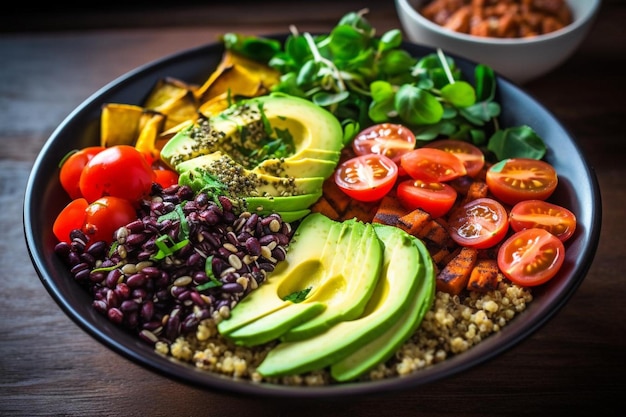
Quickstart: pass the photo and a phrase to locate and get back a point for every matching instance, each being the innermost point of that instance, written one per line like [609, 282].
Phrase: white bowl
[521, 59]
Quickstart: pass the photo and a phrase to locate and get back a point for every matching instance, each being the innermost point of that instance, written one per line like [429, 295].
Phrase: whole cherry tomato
[70, 218]
[165, 177]
[71, 168]
[119, 171]
[105, 215]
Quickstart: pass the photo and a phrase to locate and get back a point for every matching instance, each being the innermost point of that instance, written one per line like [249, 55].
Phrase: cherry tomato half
[367, 177]
[70, 218]
[165, 177]
[119, 171]
[480, 224]
[531, 256]
[472, 157]
[105, 215]
[556, 219]
[516, 179]
[71, 168]
[433, 165]
[436, 198]
[389, 139]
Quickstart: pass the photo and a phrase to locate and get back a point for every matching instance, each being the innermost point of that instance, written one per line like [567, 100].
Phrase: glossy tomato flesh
[388, 139]
[165, 177]
[72, 217]
[105, 215]
[436, 198]
[119, 171]
[480, 223]
[556, 219]
[72, 167]
[472, 157]
[367, 177]
[531, 256]
[517, 179]
[433, 165]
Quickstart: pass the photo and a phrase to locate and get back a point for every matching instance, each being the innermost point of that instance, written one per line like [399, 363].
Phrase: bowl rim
[578, 22]
[126, 344]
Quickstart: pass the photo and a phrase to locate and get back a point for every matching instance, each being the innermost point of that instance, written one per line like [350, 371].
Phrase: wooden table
[48, 366]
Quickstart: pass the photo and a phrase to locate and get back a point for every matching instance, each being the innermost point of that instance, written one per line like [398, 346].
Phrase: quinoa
[453, 325]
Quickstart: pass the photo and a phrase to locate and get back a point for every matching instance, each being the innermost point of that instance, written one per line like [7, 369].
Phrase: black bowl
[578, 190]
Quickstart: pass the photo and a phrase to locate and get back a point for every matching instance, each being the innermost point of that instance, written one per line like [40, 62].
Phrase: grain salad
[172, 305]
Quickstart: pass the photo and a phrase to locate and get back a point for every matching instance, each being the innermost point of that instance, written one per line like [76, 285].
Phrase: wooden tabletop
[51, 62]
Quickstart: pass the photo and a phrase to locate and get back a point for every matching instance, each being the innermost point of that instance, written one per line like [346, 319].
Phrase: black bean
[159, 300]
[232, 287]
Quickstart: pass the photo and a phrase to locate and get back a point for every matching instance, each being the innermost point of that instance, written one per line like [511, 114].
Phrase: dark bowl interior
[578, 190]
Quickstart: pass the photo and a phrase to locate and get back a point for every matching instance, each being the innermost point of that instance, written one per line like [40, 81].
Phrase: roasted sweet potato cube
[484, 276]
[453, 278]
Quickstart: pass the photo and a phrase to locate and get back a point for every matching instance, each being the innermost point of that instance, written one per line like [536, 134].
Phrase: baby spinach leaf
[517, 142]
[417, 106]
[459, 94]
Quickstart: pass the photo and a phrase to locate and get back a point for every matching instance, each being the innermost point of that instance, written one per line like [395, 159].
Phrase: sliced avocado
[305, 167]
[384, 346]
[241, 127]
[272, 326]
[292, 216]
[241, 182]
[315, 153]
[349, 289]
[304, 266]
[360, 269]
[280, 204]
[394, 293]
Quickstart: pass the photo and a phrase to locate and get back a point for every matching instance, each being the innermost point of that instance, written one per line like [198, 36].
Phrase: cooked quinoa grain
[453, 325]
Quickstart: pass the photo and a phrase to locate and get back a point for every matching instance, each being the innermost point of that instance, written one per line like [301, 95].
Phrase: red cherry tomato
[556, 219]
[531, 256]
[516, 179]
[165, 177]
[105, 215]
[433, 165]
[119, 171]
[480, 224]
[436, 198]
[70, 218]
[367, 177]
[71, 168]
[472, 157]
[389, 139]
